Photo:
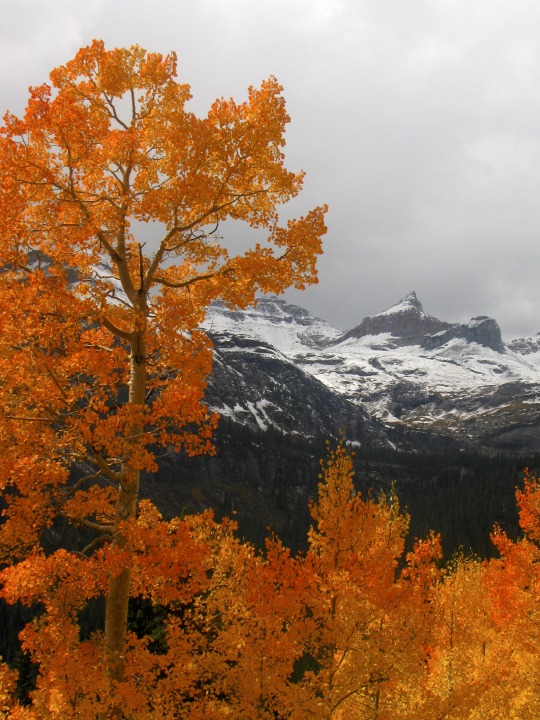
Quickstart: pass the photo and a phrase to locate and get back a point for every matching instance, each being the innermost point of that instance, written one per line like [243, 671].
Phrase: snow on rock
[408, 303]
[288, 328]
[402, 366]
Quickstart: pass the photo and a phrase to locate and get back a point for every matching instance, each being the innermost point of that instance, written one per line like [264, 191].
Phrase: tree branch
[56, 382]
[192, 281]
[108, 471]
[27, 419]
[100, 527]
[124, 334]
[101, 538]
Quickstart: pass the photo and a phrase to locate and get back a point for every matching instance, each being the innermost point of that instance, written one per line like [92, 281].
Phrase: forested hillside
[266, 480]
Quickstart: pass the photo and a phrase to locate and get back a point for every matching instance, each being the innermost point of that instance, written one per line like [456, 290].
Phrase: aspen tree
[100, 357]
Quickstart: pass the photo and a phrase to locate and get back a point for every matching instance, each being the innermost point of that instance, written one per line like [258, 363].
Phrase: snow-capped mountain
[400, 377]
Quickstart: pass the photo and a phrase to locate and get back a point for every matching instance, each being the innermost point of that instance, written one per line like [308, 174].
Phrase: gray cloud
[418, 122]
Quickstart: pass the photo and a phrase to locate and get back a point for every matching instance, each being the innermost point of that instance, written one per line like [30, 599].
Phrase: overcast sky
[417, 121]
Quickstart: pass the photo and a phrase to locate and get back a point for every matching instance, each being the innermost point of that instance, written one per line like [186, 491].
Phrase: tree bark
[116, 607]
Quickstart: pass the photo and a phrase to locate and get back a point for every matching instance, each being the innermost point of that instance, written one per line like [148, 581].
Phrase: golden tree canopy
[101, 361]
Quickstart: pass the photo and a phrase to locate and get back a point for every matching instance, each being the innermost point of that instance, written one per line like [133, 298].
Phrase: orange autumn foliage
[353, 628]
[337, 632]
[515, 592]
[101, 359]
[369, 615]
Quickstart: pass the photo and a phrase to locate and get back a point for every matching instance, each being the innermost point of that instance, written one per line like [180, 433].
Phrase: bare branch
[98, 347]
[141, 268]
[108, 471]
[27, 419]
[56, 382]
[133, 105]
[80, 482]
[100, 527]
[116, 330]
[192, 281]
[101, 538]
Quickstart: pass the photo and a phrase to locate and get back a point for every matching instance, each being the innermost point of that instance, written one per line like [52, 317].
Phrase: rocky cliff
[402, 378]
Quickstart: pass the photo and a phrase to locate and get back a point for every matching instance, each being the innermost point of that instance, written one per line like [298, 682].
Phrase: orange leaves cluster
[348, 629]
[247, 634]
[99, 352]
[101, 359]
[112, 141]
[8, 681]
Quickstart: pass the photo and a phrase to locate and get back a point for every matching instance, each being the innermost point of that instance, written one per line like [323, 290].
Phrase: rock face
[258, 387]
[401, 378]
[410, 325]
[481, 330]
[406, 321]
[525, 346]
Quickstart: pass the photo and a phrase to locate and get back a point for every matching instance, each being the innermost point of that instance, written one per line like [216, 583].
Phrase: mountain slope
[403, 370]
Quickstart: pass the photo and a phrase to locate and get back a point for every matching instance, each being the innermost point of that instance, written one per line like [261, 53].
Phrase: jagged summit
[406, 304]
[407, 324]
[526, 345]
[406, 320]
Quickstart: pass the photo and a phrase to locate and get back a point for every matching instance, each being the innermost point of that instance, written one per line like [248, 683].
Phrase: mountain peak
[405, 320]
[409, 302]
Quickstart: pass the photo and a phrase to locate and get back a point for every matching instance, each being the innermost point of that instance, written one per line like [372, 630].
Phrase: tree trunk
[116, 608]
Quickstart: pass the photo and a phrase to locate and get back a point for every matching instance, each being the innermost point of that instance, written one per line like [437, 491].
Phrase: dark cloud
[418, 122]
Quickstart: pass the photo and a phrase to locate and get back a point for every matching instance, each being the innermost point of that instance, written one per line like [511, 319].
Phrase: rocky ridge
[400, 377]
